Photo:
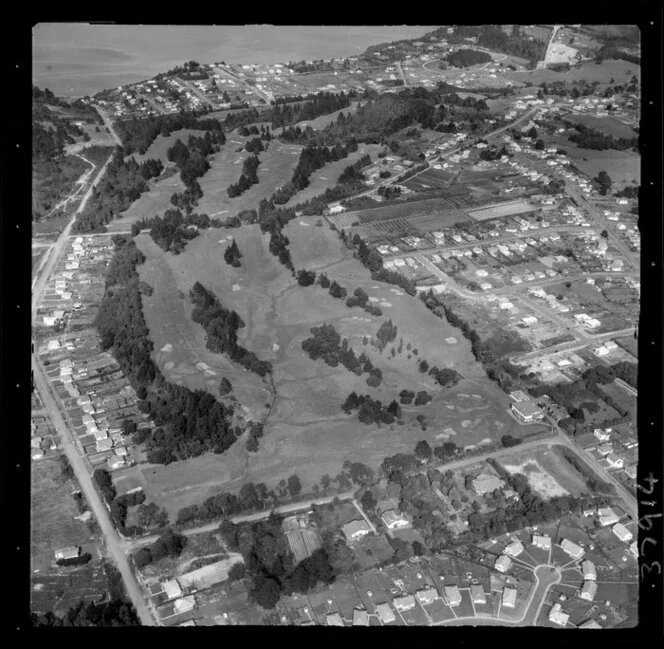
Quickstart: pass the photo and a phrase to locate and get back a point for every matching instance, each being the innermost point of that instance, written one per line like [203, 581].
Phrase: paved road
[403, 76]
[113, 543]
[244, 518]
[627, 387]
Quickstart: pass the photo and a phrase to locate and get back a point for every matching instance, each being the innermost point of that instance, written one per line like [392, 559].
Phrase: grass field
[548, 473]
[608, 125]
[307, 432]
[275, 170]
[622, 397]
[52, 514]
[629, 344]
[619, 71]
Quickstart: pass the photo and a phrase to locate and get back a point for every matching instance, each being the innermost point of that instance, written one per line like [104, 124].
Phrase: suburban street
[112, 541]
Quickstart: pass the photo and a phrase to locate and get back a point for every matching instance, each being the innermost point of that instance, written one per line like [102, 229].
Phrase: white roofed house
[385, 613]
[509, 597]
[622, 532]
[588, 590]
[452, 595]
[395, 520]
[572, 549]
[615, 461]
[607, 516]
[514, 549]
[355, 530]
[503, 563]
[427, 595]
[334, 619]
[477, 593]
[588, 569]
[557, 616]
[360, 617]
[404, 603]
[542, 541]
[70, 552]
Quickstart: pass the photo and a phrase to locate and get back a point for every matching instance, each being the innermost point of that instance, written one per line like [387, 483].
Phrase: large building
[527, 412]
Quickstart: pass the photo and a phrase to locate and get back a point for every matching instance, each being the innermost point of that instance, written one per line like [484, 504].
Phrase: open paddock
[607, 125]
[548, 473]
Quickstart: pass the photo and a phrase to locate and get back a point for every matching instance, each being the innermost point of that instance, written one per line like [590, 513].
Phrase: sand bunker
[169, 366]
[236, 287]
[398, 292]
[451, 340]
[386, 304]
[476, 396]
[167, 348]
[202, 366]
[450, 407]
[306, 225]
[275, 347]
[374, 299]
[466, 422]
[450, 431]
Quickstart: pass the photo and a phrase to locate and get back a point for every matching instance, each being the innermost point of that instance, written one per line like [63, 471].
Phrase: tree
[368, 501]
[237, 572]
[294, 485]
[423, 366]
[539, 145]
[604, 182]
[605, 234]
[225, 386]
[423, 450]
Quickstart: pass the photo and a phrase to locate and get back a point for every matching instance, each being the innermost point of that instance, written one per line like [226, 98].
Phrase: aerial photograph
[335, 326]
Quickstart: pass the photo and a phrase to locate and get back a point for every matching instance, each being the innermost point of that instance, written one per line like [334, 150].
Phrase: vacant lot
[623, 398]
[619, 71]
[548, 473]
[52, 510]
[306, 432]
[624, 167]
[608, 125]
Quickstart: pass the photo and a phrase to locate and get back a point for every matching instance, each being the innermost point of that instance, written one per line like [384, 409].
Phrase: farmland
[306, 432]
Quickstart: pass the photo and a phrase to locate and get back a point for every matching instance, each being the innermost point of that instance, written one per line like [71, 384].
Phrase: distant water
[74, 60]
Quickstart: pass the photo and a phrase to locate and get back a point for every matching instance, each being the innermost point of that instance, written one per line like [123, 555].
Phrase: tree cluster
[113, 613]
[248, 177]
[371, 411]
[465, 58]
[221, 326]
[169, 544]
[285, 114]
[232, 255]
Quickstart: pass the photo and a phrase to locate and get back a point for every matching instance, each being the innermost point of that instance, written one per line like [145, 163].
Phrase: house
[337, 209]
[514, 549]
[486, 483]
[404, 603]
[634, 550]
[590, 624]
[104, 445]
[172, 589]
[557, 616]
[360, 617]
[503, 563]
[115, 462]
[427, 595]
[184, 604]
[622, 532]
[607, 516]
[541, 541]
[477, 593]
[527, 412]
[385, 613]
[70, 552]
[615, 461]
[588, 590]
[631, 471]
[355, 530]
[605, 449]
[601, 435]
[572, 549]
[519, 395]
[509, 597]
[588, 569]
[334, 619]
[395, 520]
[452, 595]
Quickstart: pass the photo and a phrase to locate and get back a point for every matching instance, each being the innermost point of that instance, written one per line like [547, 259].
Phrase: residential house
[404, 603]
[514, 549]
[615, 461]
[607, 516]
[588, 569]
[542, 541]
[572, 549]
[557, 616]
[355, 530]
[509, 597]
[486, 483]
[503, 563]
[385, 613]
[334, 619]
[622, 532]
[588, 590]
[360, 617]
[395, 520]
[452, 595]
[172, 589]
[70, 552]
[477, 594]
[602, 435]
[427, 595]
